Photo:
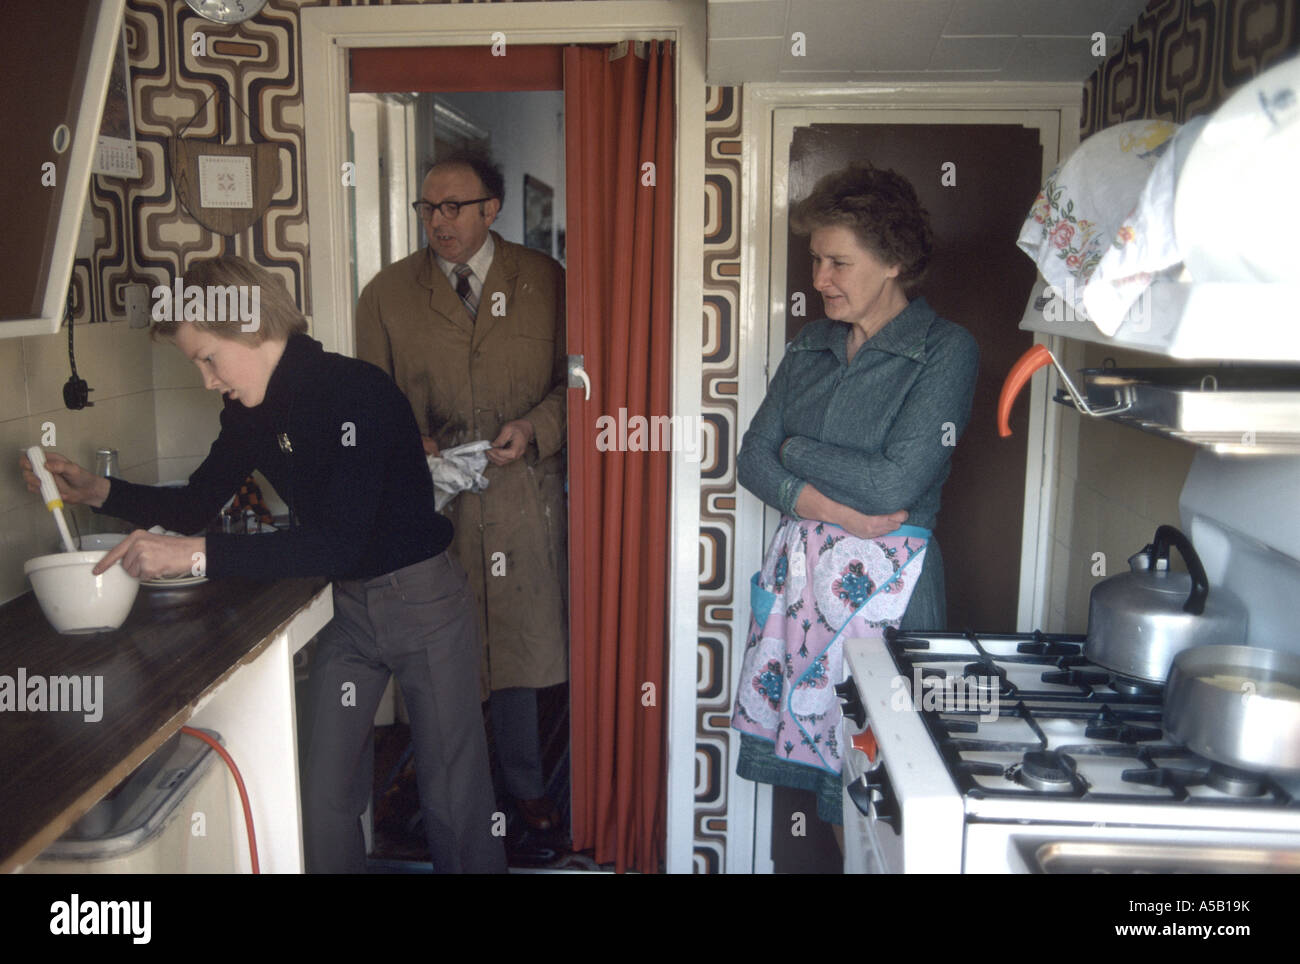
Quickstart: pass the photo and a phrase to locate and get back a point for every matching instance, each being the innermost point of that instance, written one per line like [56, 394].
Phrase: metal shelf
[1246, 442]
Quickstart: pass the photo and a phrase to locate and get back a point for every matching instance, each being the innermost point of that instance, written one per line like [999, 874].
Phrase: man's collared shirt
[479, 263]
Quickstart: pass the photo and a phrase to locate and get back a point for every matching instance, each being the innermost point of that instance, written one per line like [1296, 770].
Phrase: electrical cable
[76, 393]
[239, 784]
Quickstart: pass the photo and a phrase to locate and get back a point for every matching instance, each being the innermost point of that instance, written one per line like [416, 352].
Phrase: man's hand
[511, 442]
[76, 485]
[430, 446]
[148, 556]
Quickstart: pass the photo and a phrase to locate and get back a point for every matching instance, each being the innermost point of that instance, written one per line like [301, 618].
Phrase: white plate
[173, 582]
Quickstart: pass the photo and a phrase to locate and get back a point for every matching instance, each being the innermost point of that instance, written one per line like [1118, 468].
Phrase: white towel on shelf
[457, 470]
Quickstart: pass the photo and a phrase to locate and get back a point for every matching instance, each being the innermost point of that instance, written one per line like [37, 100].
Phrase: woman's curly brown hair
[881, 208]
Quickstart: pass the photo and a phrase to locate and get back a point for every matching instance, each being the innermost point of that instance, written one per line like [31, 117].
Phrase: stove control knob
[866, 742]
[851, 703]
[883, 805]
[860, 794]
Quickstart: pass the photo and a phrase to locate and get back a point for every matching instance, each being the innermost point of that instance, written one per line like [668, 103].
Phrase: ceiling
[905, 41]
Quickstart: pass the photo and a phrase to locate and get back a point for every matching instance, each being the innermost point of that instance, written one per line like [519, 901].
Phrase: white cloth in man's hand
[458, 470]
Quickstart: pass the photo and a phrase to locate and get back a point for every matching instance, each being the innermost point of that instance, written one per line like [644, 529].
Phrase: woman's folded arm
[919, 444]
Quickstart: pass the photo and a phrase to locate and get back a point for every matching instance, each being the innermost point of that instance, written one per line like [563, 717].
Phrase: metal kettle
[1140, 620]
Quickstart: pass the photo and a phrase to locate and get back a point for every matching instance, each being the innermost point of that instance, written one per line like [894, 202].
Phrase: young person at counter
[337, 440]
[852, 441]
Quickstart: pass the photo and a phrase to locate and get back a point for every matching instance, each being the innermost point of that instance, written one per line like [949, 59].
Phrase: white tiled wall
[150, 405]
[117, 363]
[1114, 486]
[187, 416]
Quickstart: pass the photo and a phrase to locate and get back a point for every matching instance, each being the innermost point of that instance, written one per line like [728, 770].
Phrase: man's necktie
[463, 288]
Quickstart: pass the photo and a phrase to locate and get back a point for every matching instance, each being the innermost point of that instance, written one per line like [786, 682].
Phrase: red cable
[239, 783]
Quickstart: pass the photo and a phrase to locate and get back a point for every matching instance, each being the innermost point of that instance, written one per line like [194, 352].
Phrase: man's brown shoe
[540, 814]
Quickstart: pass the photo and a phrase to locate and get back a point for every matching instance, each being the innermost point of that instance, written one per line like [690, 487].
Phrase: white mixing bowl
[92, 541]
[99, 540]
[73, 600]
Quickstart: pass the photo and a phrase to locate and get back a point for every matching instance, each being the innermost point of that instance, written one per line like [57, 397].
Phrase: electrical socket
[136, 297]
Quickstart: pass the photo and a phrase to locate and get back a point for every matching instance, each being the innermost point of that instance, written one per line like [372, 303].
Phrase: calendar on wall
[115, 152]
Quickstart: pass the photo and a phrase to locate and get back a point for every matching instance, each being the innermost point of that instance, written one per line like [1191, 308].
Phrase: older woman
[852, 444]
[338, 441]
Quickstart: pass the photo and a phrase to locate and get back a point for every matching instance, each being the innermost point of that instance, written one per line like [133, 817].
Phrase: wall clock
[227, 11]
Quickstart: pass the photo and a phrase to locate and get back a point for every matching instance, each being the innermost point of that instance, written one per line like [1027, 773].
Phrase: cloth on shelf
[1145, 247]
[457, 470]
[1079, 211]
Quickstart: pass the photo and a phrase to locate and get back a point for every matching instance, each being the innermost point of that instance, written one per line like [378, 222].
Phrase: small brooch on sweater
[285, 445]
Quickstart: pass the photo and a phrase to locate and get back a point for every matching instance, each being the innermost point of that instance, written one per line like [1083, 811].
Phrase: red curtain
[619, 124]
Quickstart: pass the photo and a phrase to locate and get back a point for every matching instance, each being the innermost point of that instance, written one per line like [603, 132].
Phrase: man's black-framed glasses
[449, 209]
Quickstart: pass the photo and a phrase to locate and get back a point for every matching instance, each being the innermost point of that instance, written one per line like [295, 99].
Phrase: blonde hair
[277, 318]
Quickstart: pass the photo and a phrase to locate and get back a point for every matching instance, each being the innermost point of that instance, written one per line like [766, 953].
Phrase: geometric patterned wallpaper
[718, 474]
[144, 234]
[1183, 58]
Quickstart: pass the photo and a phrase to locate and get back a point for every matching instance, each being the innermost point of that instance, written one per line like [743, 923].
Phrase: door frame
[762, 343]
[328, 33]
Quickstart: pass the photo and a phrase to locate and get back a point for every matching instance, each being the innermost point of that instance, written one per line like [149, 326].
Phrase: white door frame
[769, 113]
[327, 35]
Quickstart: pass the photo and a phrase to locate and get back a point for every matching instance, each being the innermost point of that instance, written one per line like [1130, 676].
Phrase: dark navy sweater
[354, 477]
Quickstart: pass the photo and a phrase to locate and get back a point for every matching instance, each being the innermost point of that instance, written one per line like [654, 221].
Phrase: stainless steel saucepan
[1140, 620]
[1237, 705]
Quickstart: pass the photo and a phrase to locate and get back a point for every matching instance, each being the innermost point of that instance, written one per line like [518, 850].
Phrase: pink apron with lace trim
[818, 585]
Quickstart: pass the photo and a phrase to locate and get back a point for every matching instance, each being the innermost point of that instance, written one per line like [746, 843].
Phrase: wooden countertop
[175, 647]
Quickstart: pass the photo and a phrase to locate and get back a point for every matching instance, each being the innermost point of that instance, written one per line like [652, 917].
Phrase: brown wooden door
[978, 279]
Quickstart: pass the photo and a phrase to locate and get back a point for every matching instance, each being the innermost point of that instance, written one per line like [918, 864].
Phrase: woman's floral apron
[817, 586]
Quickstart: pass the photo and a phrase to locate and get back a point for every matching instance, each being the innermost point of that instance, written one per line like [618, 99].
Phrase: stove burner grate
[1135, 687]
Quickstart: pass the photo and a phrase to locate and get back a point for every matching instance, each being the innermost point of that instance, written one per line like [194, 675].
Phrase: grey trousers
[418, 625]
[519, 750]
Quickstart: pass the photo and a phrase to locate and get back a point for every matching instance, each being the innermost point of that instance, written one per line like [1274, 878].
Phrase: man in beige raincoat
[472, 330]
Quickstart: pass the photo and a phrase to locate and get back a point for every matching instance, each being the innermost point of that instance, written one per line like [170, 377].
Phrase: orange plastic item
[1025, 366]
[866, 742]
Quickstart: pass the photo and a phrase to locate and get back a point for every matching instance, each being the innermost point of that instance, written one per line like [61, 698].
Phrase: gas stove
[1001, 752]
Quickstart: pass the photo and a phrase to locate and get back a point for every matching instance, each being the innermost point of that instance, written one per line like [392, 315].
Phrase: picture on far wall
[539, 218]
